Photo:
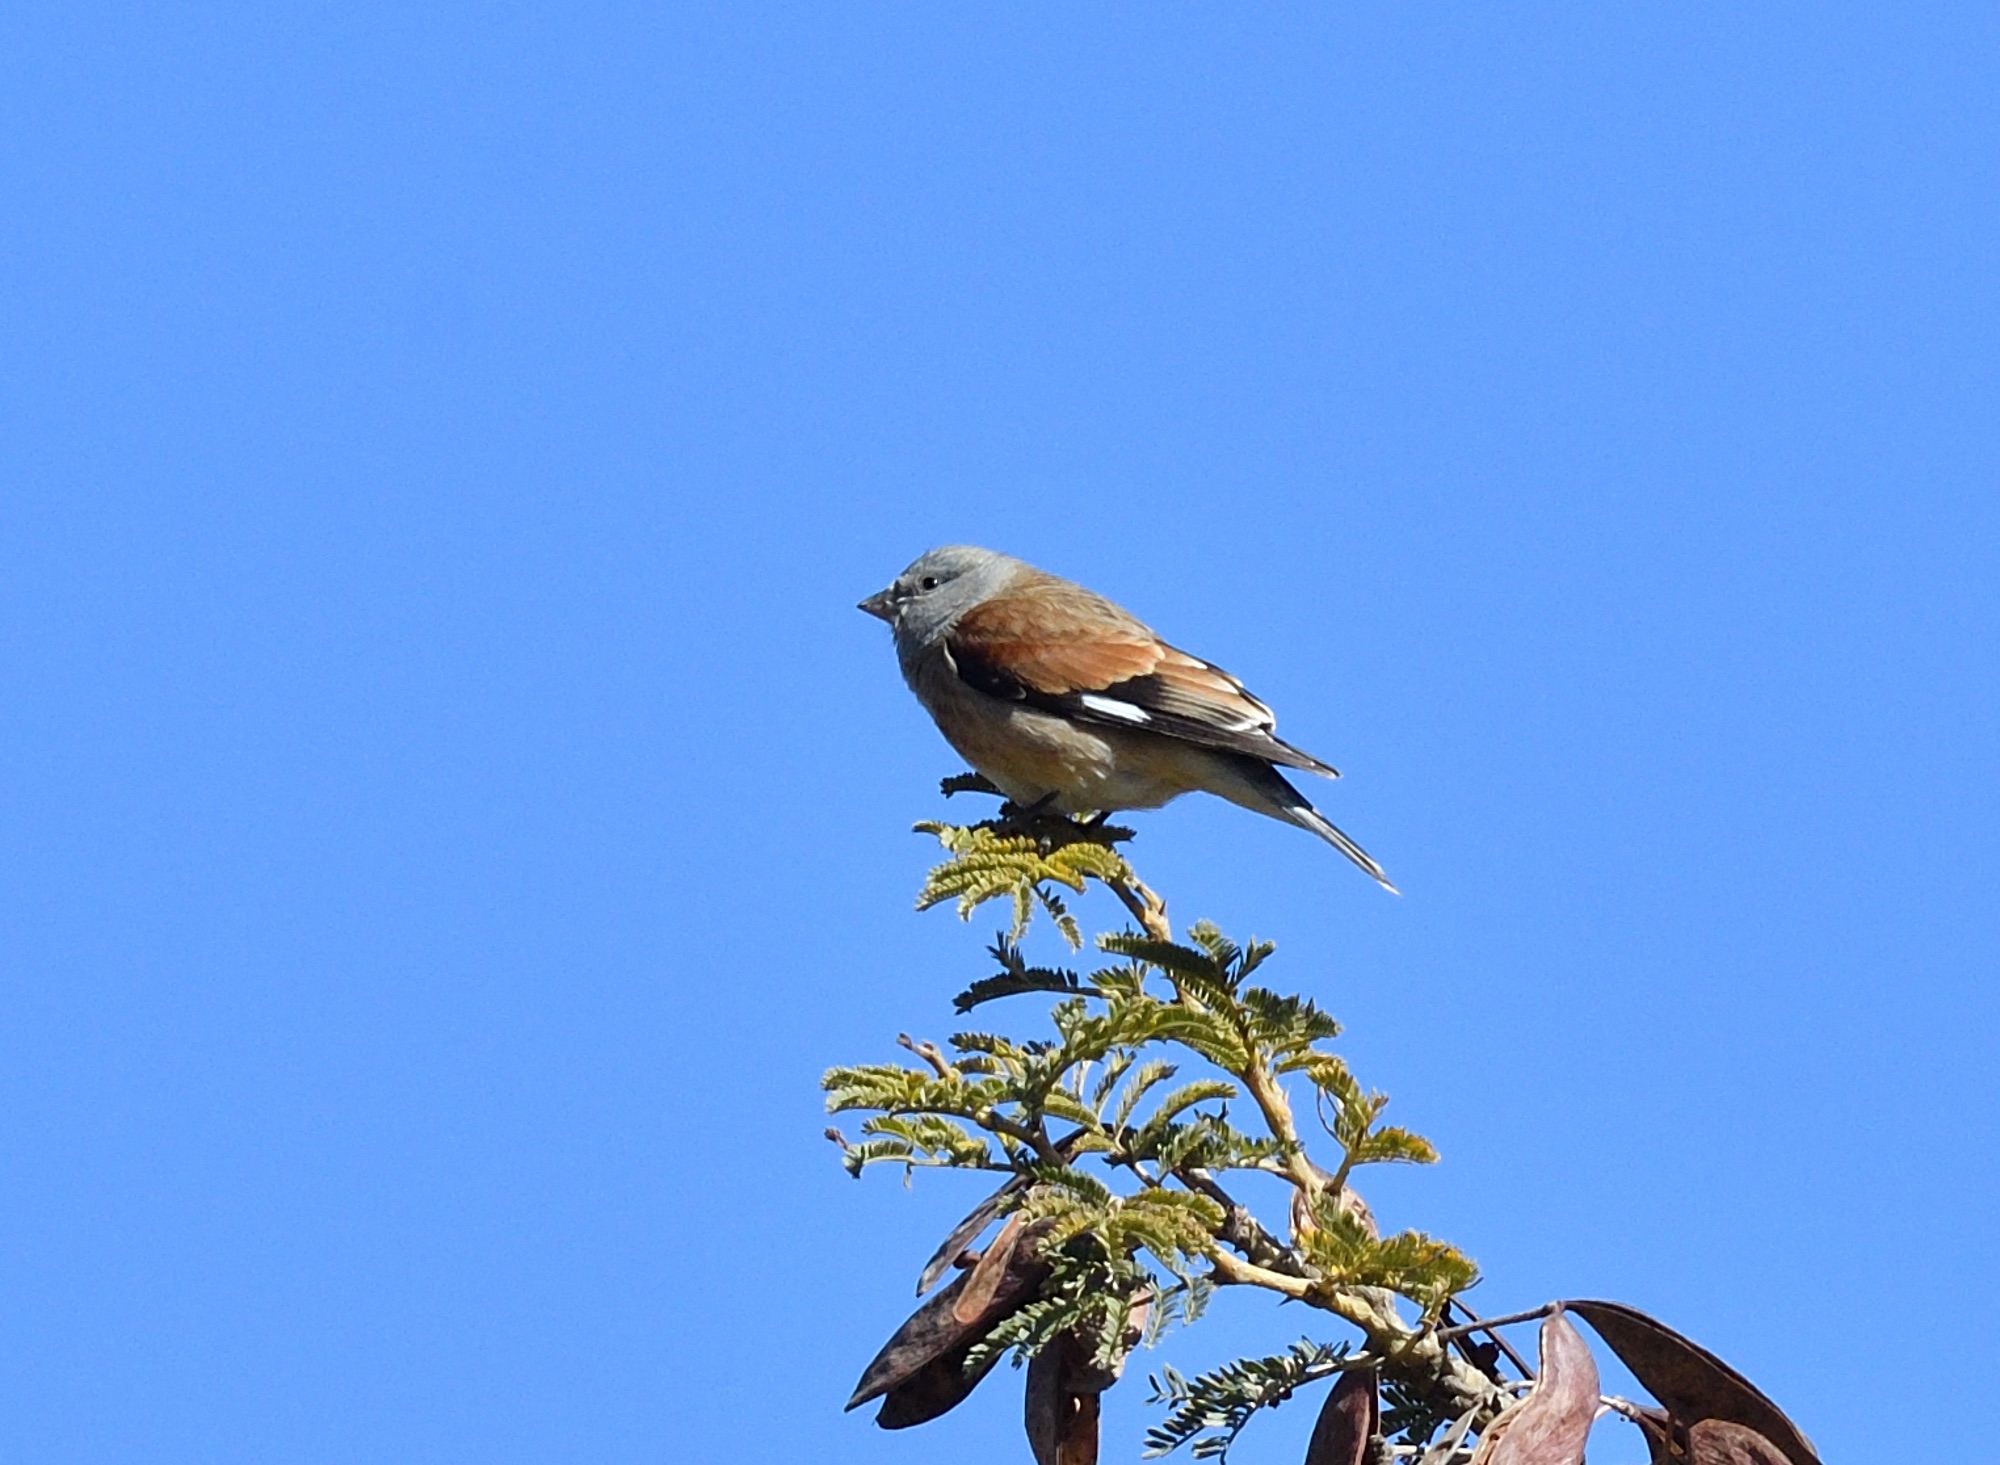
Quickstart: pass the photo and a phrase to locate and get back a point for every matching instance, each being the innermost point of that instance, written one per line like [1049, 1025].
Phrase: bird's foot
[1030, 818]
[970, 783]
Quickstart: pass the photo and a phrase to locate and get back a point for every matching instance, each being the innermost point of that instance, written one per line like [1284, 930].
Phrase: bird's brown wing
[1063, 649]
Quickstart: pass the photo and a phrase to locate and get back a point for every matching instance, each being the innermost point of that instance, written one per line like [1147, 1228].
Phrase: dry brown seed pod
[1719, 1442]
[1710, 1442]
[1691, 1382]
[965, 1233]
[1350, 1417]
[1083, 1374]
[982, 1283]
[937, 1388]
[1550, 1426]
[935, 1330]
[1061, 1420]
[1060, 1409]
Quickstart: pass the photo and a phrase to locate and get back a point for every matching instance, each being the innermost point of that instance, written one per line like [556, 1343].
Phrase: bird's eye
[929, 582]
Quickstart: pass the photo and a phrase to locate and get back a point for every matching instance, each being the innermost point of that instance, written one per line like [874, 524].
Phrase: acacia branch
[1031, 1138]
[1416, 1356]
[1269, 1096]
[1240, 1228]
[1234, 1271]
[1239, 1249]
[1145, 904]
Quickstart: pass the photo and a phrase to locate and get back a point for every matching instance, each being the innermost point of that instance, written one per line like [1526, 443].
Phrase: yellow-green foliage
[1157, 1076]
[1421, 1268]
[989, 863]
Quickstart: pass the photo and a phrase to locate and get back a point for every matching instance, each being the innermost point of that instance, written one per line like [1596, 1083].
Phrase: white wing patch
[1112, 707]
[1241, 722]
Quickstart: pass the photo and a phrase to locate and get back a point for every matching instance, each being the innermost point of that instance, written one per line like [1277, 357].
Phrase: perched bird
[1063, 700]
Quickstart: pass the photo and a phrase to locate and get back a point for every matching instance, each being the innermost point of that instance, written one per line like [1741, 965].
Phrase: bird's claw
[969, 783]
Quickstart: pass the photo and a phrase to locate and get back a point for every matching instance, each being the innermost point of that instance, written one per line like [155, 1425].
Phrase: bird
[1067, 702]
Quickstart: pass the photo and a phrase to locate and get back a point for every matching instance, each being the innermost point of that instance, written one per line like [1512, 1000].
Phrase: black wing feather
[1160, 707]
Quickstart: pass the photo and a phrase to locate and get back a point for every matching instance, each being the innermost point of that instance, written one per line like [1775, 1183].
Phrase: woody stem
[1147, 908]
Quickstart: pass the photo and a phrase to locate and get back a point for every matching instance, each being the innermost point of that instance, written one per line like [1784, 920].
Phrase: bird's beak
[879, 606]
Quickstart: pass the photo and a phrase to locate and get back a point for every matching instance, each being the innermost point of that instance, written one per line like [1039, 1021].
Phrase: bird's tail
[1270, 792]
[1307, 817]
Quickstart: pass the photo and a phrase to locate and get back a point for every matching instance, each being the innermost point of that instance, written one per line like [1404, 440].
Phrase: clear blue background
[450, 810]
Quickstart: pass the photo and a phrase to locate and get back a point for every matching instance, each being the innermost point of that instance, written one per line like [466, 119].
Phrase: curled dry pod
[988, 1274]
[964, 1234]
[1711, 1442]
[1350, 1417]
[921, 1368]
[1719, 1442]
[1691, 1382]
[1550, 1426]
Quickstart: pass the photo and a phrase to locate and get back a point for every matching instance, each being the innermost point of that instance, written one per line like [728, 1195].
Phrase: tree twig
[1496, 1346]
[1487, 1325]
[998, 1123]
[929, 1052]
[1240, 1228]
[1234, 1271]
[1146, 906]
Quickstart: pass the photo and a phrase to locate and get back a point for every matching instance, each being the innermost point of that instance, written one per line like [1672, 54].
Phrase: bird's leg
[1025, 816]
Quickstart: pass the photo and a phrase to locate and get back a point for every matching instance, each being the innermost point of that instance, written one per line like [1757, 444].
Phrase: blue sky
[451, 812]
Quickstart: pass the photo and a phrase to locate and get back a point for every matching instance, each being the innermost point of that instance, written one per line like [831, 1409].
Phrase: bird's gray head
[937, 589]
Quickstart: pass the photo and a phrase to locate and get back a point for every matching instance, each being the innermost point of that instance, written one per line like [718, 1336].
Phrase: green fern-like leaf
[933, 1136]
[1210, 1411]
[990, 863]
[1017, 976]
[1285, 1025]
[1147, 1140]
[1178, 1306]
[1088, 1294]
[1427, 1271]
[1155, 1071]
[1212, 1036]
[898, 1090]
[1211, 980]
[1116, 1066]
[1393, 1145]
